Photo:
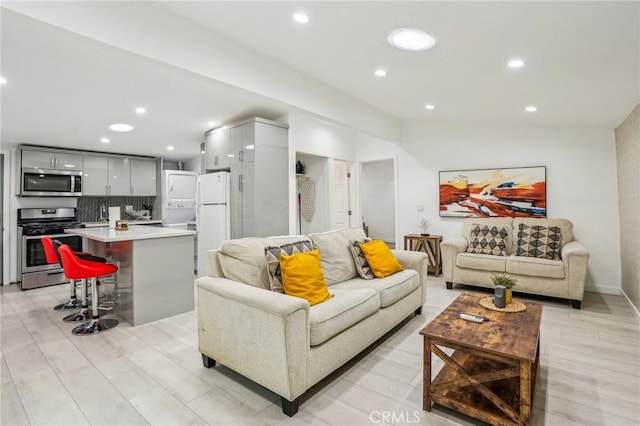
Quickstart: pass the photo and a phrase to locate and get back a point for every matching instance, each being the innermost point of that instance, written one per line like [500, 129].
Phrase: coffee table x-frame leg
[447, 388]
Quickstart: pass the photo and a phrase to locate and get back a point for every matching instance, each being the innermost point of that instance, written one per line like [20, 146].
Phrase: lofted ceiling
[582, 69]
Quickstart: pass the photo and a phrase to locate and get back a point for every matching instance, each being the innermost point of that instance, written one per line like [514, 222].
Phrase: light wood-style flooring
[153, 374]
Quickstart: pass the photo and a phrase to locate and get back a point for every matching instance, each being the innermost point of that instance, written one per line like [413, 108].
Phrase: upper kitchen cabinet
[51, 160]
[143, 177]
[217, 149]
[118, 176]
[106, 176]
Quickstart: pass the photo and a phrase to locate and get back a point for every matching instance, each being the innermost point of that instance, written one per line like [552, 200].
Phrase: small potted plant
[508, 281]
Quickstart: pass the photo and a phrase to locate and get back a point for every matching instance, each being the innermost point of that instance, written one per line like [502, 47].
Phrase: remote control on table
[474, 318]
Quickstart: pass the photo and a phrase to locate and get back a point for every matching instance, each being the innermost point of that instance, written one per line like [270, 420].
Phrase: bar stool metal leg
[96, 325]
[73, 300]
[83, 314]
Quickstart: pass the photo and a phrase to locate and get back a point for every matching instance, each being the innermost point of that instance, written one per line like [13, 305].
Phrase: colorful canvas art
[514, 192]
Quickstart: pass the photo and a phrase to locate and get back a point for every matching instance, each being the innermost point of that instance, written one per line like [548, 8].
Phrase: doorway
[342, 194]
[378, 200]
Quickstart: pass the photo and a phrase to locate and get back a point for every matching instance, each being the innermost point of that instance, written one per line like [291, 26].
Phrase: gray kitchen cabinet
[259, 166]
[143, 177]
[106, 176]
[95, 179]
[51, 160]
[218, 154]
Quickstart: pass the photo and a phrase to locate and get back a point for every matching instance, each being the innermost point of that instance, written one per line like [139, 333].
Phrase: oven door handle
[38, 237]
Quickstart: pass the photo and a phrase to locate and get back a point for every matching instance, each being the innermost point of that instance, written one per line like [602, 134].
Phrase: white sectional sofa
[563, 277]
[283, 343]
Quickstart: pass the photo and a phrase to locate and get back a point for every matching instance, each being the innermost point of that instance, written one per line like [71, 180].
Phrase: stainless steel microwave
[50, 183]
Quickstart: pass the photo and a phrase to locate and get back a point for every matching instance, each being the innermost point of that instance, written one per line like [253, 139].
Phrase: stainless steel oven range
[33, 223]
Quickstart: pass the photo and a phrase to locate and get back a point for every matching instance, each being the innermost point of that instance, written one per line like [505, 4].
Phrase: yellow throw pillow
[382, 262]
[302, 277]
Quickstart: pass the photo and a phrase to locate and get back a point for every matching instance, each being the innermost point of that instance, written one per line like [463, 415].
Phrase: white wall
[320, 138]
[581, 180]
[377, 199]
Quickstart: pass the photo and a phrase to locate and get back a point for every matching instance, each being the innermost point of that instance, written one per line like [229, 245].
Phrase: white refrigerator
[212, 214]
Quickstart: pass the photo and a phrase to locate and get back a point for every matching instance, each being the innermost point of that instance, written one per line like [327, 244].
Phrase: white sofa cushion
[483, 262]
[244, 259]
[566, 228]
[346, 308]
[535, 267]
[337, 263]
[391, 288]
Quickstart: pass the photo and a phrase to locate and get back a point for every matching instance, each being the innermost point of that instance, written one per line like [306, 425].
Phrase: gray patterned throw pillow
[362, 266]
[538, 241]
[273, 260]
[488, 240]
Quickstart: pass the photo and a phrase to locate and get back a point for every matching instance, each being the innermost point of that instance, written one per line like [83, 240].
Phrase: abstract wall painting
[509, 192]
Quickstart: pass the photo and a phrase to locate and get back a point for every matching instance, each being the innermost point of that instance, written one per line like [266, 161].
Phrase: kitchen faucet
[103, 213]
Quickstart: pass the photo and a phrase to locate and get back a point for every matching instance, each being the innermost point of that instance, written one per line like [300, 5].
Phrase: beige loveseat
[281, 342]
[562, 277]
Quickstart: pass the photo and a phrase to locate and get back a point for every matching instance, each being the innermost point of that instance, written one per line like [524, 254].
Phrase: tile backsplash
[89, 207]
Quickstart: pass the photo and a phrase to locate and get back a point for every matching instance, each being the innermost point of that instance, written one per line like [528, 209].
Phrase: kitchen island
[155, 276]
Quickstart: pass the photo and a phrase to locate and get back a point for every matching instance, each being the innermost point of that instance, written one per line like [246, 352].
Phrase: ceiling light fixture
[531, 108]
[301, 18]
[380, 73]
[3, 80]
[141, 110]
[170, 148]
[411, 39]
[430, 107]
[121, 127]
[516, 63]
[105, 140]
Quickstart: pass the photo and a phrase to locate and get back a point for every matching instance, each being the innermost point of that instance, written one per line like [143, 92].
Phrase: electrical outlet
[420, 207]
[128, 207]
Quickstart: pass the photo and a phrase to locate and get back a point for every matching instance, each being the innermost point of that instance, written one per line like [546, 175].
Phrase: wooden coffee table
[491, 374]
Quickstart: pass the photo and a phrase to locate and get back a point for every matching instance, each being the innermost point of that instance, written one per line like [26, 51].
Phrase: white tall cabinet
[255, 151]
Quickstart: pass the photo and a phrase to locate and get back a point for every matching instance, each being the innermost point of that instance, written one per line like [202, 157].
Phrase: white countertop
[130, 222]
[108, 235]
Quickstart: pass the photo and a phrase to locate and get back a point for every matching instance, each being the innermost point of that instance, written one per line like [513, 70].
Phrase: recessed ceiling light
[141, 110]
[531, 108]
[105, 140]
[211, 123]
[301, 18]
[3, 80]
[411, 39]
[430, 106]
[516, 63]
[380, 73]
[170, 148]
[121, 127]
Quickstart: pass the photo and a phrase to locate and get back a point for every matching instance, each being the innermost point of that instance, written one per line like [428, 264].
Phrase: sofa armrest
[575, 257]
[417, 261]
[450, 248]
[261, 334]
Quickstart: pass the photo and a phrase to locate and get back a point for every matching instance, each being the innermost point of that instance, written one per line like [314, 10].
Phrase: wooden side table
[429, 244]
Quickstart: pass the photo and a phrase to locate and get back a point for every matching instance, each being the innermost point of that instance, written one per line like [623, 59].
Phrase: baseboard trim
[616, 291]
[633, 307]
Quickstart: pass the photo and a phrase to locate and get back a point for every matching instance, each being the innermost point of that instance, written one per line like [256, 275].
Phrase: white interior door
[341, 194]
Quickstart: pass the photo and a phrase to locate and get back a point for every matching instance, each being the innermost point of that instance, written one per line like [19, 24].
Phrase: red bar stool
[78, 269]
[52, 257]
